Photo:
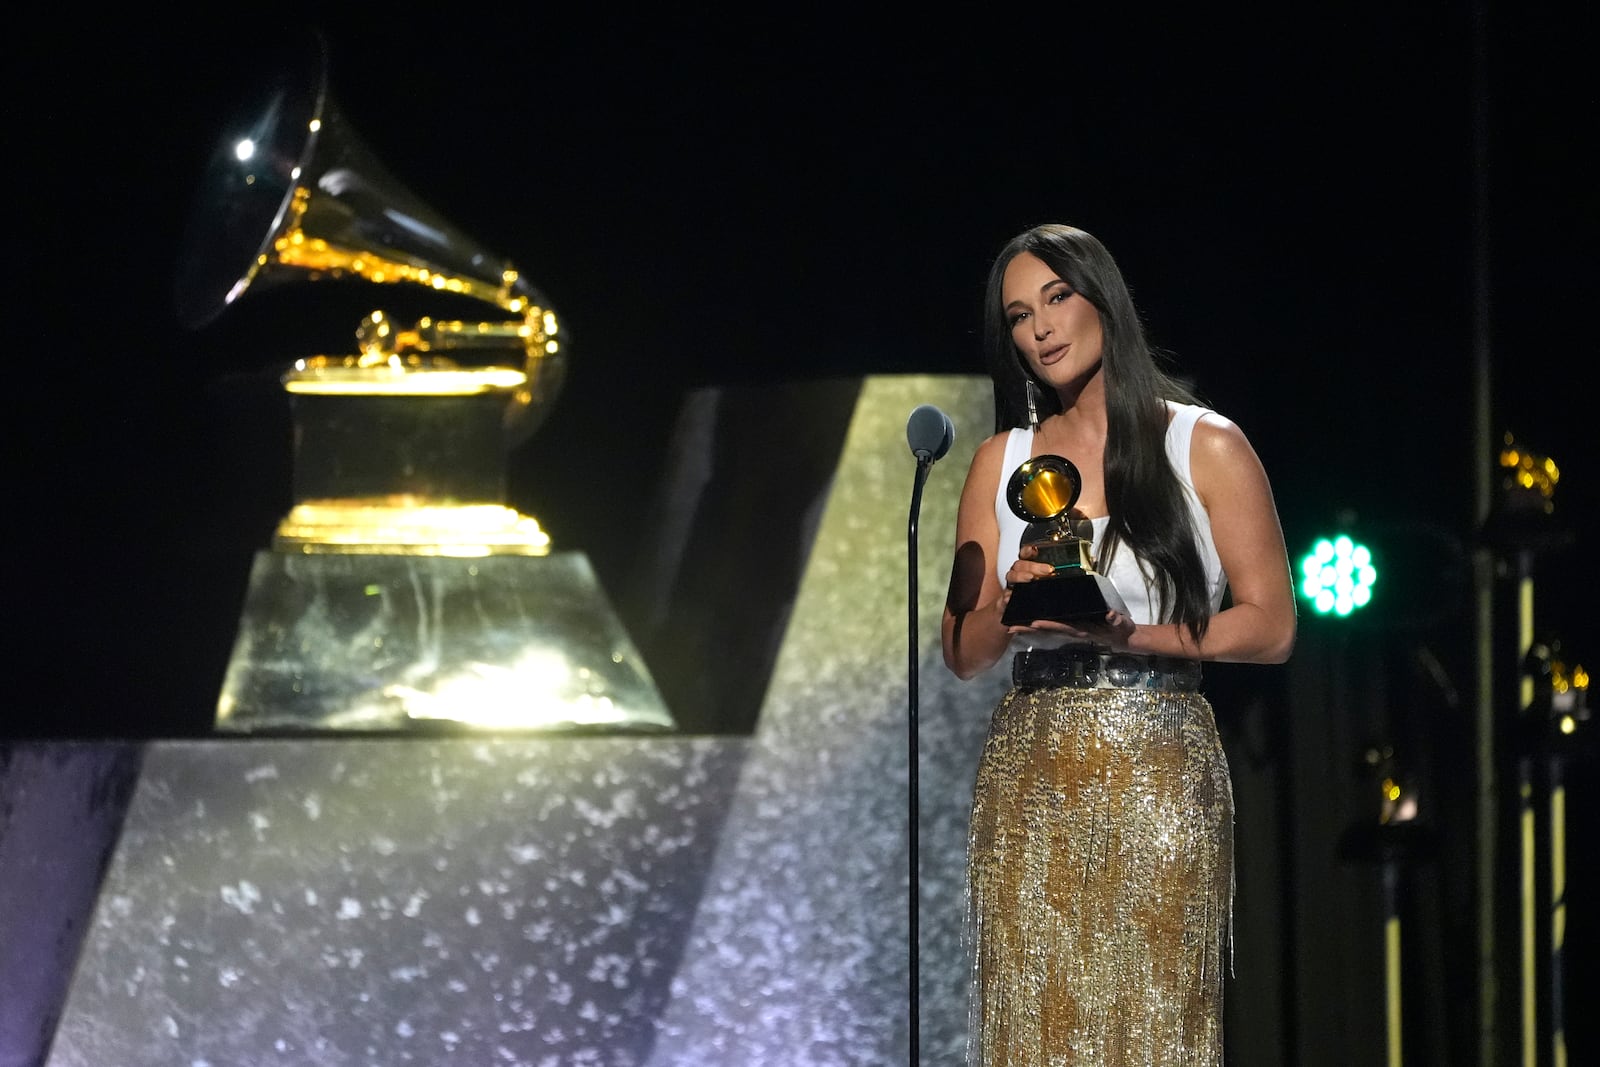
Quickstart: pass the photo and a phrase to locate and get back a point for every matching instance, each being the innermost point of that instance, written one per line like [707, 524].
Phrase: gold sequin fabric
[1101, 881]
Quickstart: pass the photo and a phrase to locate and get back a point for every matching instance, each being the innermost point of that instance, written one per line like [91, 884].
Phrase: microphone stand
[929, 433]
[924, 464]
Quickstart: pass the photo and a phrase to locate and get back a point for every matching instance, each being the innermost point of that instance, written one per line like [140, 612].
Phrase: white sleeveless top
[1127, 572]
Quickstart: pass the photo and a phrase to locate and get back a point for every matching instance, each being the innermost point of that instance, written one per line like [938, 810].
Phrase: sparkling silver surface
[581, 900]
[800, 954]
[61, 807]
[397, 901]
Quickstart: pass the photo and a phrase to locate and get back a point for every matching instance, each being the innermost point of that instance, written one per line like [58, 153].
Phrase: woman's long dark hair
[1145, 500]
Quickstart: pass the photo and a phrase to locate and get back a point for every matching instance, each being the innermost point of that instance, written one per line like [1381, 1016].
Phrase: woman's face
[1055, 329]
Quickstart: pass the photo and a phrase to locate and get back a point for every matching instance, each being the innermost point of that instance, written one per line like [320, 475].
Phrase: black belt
[1084, 668]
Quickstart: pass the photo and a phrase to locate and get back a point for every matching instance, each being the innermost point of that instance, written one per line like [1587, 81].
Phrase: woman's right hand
[1027, 567]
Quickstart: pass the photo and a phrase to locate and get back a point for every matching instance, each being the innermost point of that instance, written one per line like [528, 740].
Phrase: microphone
[930, 433]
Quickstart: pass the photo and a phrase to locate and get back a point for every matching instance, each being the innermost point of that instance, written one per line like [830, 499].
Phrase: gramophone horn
[292, 194]
[1043, 488]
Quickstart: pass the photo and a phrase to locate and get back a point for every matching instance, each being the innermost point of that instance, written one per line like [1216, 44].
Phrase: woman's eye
[1017, 318]
[1060, 295]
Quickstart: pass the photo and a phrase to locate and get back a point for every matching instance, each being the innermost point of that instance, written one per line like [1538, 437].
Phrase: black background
[710, 199]
[757, 200]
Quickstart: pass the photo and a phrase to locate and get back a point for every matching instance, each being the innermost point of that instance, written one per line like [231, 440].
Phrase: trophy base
[398, 643]
[1076, 597]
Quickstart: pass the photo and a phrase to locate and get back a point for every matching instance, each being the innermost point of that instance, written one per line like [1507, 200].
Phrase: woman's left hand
[1111, 634]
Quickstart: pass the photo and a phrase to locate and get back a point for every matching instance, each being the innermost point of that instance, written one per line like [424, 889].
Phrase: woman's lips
[1051, 355]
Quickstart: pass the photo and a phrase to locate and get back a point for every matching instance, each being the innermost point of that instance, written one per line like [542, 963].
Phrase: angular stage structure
[537, 899]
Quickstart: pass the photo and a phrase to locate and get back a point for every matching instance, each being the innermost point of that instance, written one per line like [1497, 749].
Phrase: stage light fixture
[1337, 576]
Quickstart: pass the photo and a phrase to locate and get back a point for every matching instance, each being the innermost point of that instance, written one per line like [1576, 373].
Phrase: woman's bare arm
[974, 638]
[1259, 624]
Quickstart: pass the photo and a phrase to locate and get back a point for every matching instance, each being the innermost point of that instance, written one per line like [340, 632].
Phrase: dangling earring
[1033, 405]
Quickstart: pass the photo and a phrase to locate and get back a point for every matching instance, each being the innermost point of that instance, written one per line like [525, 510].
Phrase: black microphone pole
[924, 464]
[930, 433]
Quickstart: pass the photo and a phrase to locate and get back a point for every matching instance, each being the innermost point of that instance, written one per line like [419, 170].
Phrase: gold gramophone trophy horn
[401, 443]
[400, 589]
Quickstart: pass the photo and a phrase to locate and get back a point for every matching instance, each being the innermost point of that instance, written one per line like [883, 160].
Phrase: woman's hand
[1111, 634]
[1027, 567]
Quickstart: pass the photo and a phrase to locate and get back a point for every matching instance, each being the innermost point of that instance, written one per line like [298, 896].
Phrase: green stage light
[1337, 576]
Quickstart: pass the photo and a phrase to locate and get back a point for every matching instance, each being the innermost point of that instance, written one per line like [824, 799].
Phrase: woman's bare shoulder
[1219, 437]
[995, 442]
[990, 451]
[1223, 457]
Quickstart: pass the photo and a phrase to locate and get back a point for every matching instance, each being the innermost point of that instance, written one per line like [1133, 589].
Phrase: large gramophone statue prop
[400, 589]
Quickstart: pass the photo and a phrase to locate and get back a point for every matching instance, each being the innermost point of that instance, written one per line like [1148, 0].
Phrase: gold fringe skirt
[1101, 881]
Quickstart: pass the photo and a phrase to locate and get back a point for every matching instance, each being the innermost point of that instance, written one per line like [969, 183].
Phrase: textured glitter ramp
[1101, 881]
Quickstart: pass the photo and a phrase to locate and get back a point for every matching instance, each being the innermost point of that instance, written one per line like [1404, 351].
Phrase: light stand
[1393, 843]
[1555, 715]
[1521, 526]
